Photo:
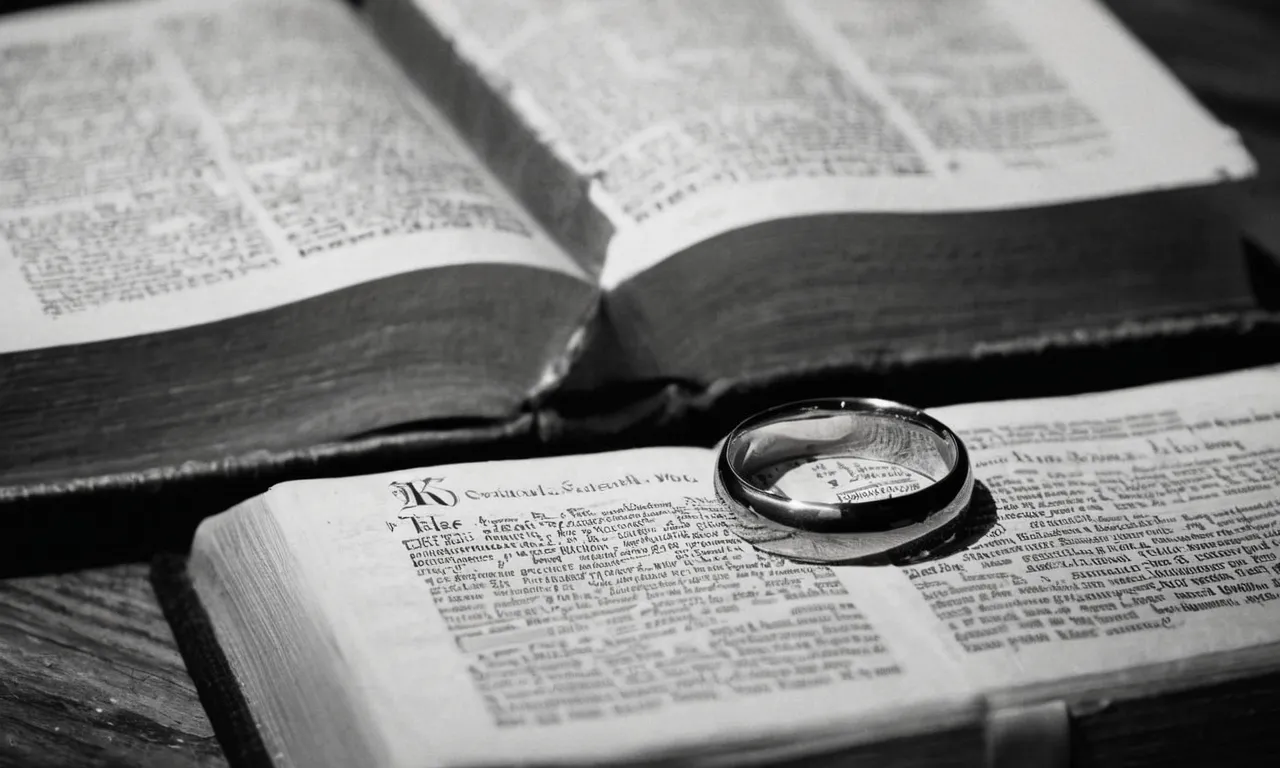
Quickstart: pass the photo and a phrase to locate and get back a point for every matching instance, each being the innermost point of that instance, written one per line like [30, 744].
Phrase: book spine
[542, 180]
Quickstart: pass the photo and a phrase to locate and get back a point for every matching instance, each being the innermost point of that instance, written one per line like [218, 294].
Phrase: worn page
[596, 606]
[164, 164]
[1133, 528]
[692, 119]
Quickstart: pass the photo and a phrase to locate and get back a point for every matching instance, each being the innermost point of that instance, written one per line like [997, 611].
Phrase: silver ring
[862, 428]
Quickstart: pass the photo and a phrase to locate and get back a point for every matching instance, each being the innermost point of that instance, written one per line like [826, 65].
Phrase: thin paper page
[693, 119]
[595, 606]
[173, 163]
[1133, 528]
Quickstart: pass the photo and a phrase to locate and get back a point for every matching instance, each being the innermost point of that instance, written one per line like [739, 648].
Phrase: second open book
[596, 608]
[232, 231]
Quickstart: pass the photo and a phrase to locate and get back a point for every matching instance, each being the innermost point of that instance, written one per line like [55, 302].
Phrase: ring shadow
[977, 520]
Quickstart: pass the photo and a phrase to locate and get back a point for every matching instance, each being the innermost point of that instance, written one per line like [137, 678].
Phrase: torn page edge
[559, 366]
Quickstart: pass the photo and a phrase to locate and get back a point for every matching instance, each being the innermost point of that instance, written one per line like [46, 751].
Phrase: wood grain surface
[89, 675]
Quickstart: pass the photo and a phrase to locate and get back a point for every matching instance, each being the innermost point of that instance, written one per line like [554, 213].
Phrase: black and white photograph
[705, 383]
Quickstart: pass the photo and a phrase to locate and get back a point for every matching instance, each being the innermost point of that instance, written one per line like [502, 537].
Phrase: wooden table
[89, 675]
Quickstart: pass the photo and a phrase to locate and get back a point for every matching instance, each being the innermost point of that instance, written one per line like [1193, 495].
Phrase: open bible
[233, 231]
[1121, 552]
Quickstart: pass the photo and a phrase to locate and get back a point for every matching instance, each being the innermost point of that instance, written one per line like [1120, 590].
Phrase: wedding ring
[867, 517]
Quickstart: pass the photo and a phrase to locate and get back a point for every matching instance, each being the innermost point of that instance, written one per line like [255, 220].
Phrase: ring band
[862, 428]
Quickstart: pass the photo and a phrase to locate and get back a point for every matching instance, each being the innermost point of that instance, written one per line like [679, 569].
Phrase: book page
[693, 119]
[1133, 528]
[591, 607]
[172, 163]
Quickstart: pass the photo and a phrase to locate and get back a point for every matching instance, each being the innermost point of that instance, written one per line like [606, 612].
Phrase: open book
[231, 229]
[591, 608]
